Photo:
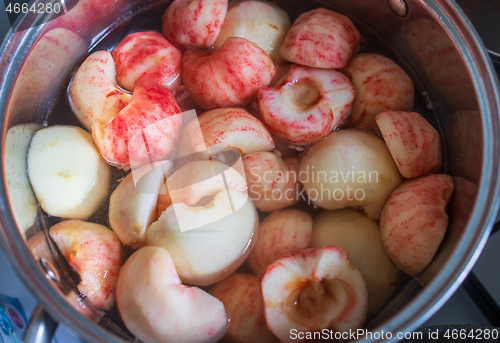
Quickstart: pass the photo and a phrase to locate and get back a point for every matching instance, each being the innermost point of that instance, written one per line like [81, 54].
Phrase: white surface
[460, 309]
[11, 286]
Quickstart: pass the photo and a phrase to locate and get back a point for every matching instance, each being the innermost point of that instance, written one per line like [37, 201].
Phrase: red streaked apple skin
[153, 109]
[322, 39]
[414, 221]
[195, 24]
[226, 128]
[241, 295]
[231, 76]
[414, 144]
[328, 265]
[281, 233]
[93, 92]
[156, 307]
[96, 253]
[272, 182]
[305, 121]
[147, 57]
[380, 85]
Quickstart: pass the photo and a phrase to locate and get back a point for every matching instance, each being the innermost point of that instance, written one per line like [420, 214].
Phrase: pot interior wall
[416, 41]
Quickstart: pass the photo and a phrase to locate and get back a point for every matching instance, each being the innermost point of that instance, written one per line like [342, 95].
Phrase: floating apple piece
[96, 253]
[69, 177]
[312, 290]
[226, 128]
[360, 238]
[210, 239]
[93, 92]
[414, 144]
[39, 247]
[156, 307]
[380, 85]
[147, 57]
[260, 22]
[307, 105]
[321, 39]
[281, 233]
[21, 197]
[133, 205]
[349, 168]
[241, 295]
[195, 24]
[152, 117]
[414, 221]
[231, 76]
[460, 208]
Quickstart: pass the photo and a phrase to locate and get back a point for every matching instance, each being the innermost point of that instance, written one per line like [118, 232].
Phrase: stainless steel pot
[432, 39]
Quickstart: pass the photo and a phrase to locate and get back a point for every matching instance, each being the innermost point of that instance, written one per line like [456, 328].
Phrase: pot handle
[41, 327]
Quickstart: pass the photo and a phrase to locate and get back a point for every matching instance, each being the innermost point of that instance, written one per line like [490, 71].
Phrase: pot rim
[417, 311]
[465, 255]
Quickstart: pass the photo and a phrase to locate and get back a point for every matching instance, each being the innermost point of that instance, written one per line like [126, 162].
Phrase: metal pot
[432, 39]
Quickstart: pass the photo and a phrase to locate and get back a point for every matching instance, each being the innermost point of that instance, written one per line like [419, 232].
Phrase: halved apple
[414, 144]
[414, 221]
[209, 241]
[349, 168]
[146, 130]
[21, 196]
[133, 205]
[231, 76]
[225, 128]
[195, 24]
[312, 290]
[321, 39]
[93, 91]
[69, 177]
[261, 22]
[380, 85]
[156, 307]
[307, 105]
[95, 252]
[147, 57]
